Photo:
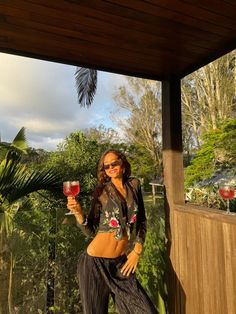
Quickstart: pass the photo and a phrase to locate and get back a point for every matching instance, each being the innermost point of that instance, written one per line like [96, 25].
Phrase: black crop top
[109, 212]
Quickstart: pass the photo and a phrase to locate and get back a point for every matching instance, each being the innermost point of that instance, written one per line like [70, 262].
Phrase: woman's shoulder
[98, 190]
[135, 182]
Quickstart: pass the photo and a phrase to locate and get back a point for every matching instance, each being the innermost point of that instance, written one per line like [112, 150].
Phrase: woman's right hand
[75, 208]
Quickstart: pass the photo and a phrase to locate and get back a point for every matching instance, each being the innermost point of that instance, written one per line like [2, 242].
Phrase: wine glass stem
[227, 202]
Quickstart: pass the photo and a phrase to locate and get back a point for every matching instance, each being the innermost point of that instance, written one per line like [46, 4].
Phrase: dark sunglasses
[112, 164]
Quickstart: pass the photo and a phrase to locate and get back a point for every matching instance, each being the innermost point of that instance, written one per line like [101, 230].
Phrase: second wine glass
[227, 193]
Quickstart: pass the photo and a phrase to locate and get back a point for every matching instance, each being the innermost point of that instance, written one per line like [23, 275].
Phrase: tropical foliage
[17, 182]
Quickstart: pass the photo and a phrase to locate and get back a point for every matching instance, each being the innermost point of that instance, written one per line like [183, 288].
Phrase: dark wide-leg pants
[99, 277]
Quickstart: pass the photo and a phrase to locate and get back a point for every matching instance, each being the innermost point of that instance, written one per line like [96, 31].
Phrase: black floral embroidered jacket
[109, 212]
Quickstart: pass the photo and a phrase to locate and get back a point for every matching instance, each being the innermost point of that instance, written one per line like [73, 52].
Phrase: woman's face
[113, 166]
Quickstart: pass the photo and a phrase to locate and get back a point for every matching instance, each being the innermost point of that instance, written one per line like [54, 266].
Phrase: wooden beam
[172, 141]
[173, 183]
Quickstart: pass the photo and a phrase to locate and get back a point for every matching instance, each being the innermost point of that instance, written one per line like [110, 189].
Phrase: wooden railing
[202, 261]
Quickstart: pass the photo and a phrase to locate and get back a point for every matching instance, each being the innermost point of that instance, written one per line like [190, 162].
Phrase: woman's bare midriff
[105, 245]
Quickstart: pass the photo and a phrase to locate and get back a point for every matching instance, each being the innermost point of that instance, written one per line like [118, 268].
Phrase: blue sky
[41, 96]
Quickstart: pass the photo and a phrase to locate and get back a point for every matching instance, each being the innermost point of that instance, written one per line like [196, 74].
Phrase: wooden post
[173, 183]
[172, 141]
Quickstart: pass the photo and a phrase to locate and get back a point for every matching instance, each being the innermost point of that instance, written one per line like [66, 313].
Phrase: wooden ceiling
[147, 38]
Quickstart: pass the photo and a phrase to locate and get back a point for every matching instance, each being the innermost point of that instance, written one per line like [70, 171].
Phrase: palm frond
[4, 147]
[16, 181]
[9, 169]
[23, 184]
[20, 142]
[16, 148]
[86, 85]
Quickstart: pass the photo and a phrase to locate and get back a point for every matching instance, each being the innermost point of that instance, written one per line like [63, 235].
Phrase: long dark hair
[101, 174]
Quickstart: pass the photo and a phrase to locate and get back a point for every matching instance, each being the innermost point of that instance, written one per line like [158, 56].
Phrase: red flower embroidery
[133, 218]
[113, 222]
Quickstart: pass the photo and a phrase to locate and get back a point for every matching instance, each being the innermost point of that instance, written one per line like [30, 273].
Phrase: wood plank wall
[203, 256]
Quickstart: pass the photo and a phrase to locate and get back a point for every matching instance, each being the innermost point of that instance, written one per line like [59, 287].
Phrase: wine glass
[71, 188]
[227, 193]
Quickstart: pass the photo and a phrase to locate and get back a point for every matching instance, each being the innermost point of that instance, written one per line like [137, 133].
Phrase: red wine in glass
[71, 188]
[227, 193]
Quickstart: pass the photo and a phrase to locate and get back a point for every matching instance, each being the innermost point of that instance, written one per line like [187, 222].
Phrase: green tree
[217, 153]
[76, 157]
[141, 164]
[208, 98]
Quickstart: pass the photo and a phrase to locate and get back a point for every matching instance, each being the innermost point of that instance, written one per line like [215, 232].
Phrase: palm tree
[17, 182]
[86, 85]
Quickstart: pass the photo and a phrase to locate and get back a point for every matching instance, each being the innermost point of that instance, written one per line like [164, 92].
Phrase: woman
[117, 219]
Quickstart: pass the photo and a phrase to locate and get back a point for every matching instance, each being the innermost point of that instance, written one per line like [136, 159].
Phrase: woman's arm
[141, 228]
[141, 224]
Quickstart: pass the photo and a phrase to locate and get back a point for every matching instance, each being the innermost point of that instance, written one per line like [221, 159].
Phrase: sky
[41, 96]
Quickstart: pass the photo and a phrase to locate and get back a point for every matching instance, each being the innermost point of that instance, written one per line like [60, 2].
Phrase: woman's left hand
[131, 264]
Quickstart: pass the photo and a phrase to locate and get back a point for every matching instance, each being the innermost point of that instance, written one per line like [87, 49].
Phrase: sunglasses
[113, 164]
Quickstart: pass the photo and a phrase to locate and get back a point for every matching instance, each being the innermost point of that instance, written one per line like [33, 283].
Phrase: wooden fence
[202, 261]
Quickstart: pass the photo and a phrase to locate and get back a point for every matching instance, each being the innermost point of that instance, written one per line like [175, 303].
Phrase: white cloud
[48, 142]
